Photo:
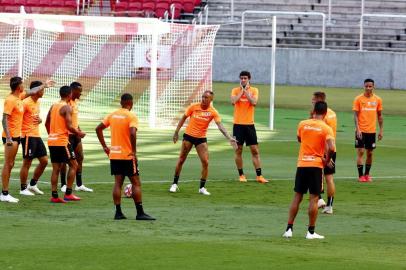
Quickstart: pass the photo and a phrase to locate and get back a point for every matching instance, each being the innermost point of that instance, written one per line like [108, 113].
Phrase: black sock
[33, 182]
[240, 172]
[78, 179]
[68, 191]
[55, 194]
[290, 226]
[360, 170]
[202, 183]
[367, 168]
[63, 179]
[118, 209]
[176, 179]
[258, 171]
[23, 186]
[4, 192]
[140, 209]
[330, 201]
[311, 229]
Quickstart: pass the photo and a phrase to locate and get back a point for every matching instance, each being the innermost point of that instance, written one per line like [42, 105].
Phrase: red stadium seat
[121, 6]
[148, 6]
[7, 2]
[32, 3]
[178, 11]
[188, 6]
[134, 6]
[57, 3]
[198, 2]
[160, 9]
[70, 3]
[44, 3]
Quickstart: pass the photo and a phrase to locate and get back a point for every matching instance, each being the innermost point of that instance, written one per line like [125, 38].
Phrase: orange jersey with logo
[120, 123]
[75, 112]
[331, 120]
[13, 107]
[200, 120]
[58, 134]
[243, 109]
[31, 110]
[367, 108]
[313, 134]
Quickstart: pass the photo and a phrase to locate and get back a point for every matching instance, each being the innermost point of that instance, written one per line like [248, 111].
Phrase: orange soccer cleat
[243, 179]
[262, 180]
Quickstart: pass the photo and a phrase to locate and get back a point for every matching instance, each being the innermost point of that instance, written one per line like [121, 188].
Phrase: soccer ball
[128, 191]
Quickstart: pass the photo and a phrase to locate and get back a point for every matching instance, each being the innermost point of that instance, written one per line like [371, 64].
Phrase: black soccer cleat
[119, 216]
[144, 217]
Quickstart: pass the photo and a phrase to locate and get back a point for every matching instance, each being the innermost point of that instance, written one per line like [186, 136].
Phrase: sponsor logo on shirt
[312, 128]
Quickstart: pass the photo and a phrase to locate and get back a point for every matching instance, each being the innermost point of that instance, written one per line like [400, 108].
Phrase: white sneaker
[314, 236]
[63, 188]
[83, 188]
[204, 191]
[174, 188]
[321, 203]
[8, 198]
[26, 192]
[288, 234]
[328, 210]
[35, 190]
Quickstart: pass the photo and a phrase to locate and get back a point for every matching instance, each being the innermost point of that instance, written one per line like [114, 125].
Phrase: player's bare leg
[117, 188]
[184, 151]
[56, 169]
[239, 163]
[79, 158]
[137, 197]
[368, 164]
[360, 164]
[73, 165]
[39, 170]
[63, 177]
[257, 163]
[10, 152]
[331, 190]
[25, 167]
[203, 153]
[293, 210]
[313, 211]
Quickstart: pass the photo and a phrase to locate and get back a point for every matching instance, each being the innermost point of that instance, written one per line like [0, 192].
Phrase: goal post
[164, 66]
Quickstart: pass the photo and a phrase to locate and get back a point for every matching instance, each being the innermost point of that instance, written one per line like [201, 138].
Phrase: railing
[361, 25]
[323, 34]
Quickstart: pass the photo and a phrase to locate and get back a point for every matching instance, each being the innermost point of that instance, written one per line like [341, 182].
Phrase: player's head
[126, 101]
[369, 86]
[76, 90]
[207, 98]
[34, 84]
[318, 96]
[65, 92]
[245, 77]
[320, 108]
[16, 84]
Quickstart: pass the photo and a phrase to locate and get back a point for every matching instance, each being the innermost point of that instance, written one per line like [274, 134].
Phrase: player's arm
[33, 91]
[330, 149]
[178, 127]
[235, 98]
[133, 140]
[100, 136]
[380, 123]
[223, 130]
[4, 121]
[357, 130]
[251, 98]
[48, 121]
[66, 112]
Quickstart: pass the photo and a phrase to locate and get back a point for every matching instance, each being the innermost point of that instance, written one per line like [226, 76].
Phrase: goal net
[164, 66]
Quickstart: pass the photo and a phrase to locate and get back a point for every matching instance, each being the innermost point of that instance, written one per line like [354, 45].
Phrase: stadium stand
[305, 31]
[42, 6]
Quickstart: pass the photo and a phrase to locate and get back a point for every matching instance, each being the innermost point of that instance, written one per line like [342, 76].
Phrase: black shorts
[124, 167]
[367, 141]
[195, 141]
[61, 154]
[309, 178]
[327, 170]
[245, 133]
[74, 140]
[33, 147]
[15, 139]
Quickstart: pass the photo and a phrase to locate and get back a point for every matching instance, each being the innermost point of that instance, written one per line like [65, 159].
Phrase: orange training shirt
[331, 120]
[313, 134]
[13, 107]
[120, 122]
[31, 110]
[243, 109]
[58, 134]
[200, 120]
[367, 108]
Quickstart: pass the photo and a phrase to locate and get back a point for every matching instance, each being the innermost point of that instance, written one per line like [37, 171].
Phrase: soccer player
[123, 154]
[201, 114]
[367, 108]
[245, 98]
[75, 141]
[316, 140]
[331, 120]
[33, 146]
[58, 125]
[12, 121]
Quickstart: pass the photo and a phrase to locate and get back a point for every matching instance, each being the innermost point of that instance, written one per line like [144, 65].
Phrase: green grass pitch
[240, 225]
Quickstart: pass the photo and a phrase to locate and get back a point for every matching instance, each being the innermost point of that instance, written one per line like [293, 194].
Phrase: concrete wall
[312, 67]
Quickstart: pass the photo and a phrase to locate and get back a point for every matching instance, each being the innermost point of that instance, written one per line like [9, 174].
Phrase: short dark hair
[369, 80]
[245, 73]
[75, 85]
[209, 91]
[126, 97]
[34, 84]
[15, 82]
[65, 91]
[320, 107]
[320, 95]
